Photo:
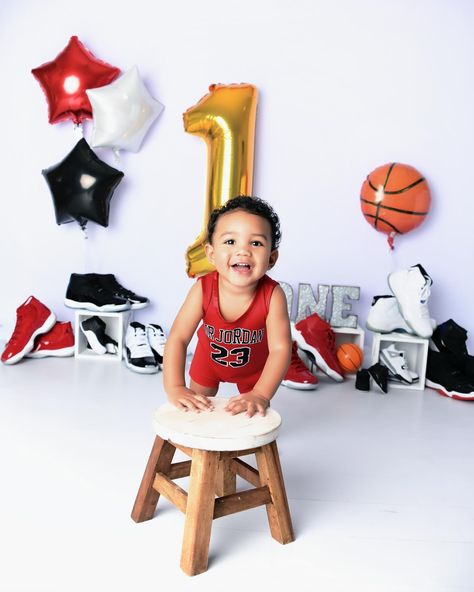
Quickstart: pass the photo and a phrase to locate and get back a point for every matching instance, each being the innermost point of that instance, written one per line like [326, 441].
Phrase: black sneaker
[109, 283]
[379, 374]
[362, 382]
[443, 375]
[84, 291]
[137, 352]
[450, 337]
[94, 330]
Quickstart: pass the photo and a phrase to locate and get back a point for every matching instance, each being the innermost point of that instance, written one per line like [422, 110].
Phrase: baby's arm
[174, 359]
[279, 348]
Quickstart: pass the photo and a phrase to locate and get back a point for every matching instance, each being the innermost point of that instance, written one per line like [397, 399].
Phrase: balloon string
[390, 240]
[116, 152]
[78, 127]
[84, 230]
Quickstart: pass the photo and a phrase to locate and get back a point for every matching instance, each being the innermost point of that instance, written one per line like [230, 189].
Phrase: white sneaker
[411, 288]
[394, 360]
[137, 352]
[157, 340]
[385, 317]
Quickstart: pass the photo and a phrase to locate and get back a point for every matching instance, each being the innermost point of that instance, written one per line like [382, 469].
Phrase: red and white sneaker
[32, 319]
[58, 342]
[315, 336]
[298, 376]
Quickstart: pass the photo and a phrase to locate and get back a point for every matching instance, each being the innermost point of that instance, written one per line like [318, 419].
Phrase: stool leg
[278, 512]
[160, 460]
[226, 479]
[199, 512]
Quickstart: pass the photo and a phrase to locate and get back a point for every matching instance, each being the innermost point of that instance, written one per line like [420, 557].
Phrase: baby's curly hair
[253, 205]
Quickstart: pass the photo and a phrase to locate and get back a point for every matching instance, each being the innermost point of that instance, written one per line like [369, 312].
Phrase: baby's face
[241, 248]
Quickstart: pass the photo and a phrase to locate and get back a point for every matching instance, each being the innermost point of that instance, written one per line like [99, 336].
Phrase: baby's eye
[229, 241]
[257, 243]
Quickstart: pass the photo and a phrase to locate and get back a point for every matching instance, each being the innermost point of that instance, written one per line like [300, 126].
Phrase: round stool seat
[216, 430]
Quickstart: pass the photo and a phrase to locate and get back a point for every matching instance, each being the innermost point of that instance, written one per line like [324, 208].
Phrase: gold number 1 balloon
[225, 119]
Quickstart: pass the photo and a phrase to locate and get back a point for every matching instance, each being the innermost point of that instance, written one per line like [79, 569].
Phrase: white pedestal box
[348, 335]
[115, 326]
[416, 355]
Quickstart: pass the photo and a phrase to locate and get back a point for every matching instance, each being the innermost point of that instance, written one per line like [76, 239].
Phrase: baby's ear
[273, 258]
[209, 250]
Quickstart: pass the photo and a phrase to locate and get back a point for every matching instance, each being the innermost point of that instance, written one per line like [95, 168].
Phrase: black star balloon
[82, 186]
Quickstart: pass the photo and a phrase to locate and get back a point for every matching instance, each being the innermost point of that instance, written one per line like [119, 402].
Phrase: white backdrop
[344, 87]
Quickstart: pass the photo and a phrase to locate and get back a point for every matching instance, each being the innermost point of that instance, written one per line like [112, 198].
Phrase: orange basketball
[395, 198]
[350, 357]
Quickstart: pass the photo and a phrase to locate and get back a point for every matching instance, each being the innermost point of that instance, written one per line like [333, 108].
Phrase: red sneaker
[315, 336]
[58, 342]
[32, 318]
[298, 376]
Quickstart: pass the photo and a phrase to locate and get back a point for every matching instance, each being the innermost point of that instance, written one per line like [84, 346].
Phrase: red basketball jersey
[237, 350]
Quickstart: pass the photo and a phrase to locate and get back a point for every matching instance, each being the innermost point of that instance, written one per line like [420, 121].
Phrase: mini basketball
[395, 198]
[350, 357]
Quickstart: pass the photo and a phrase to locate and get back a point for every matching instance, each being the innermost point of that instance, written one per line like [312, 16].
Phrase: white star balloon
[122, 112]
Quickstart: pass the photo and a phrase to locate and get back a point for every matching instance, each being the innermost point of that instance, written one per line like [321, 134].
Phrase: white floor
[381, 490]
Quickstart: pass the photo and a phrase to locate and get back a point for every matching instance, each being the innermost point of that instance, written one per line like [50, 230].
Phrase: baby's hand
[250, 402]
[187, 400]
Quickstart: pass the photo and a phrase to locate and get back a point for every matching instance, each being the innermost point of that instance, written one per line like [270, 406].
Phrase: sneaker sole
[393, 288]
[139, 369]
[65, 352]
[300, 386]
[392, 378]
[394, 370]
[138, 305]
[387, 331]
[95, 344]
[453, 394]
[94, 308]
[45, 327]
[320, 361]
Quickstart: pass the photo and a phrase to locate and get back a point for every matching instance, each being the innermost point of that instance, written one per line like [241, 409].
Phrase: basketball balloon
[350, 357]
[395, 198]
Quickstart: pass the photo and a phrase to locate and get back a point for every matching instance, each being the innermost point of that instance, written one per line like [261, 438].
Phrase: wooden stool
[214, 440]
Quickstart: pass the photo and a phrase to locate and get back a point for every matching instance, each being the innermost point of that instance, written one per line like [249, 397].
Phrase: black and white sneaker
[94, 330]
[84, 291]
[379, 375]
[411, 287]
[137, 352]
[396, 363]
[110, 283]
[444, 376]
[450, 337]
[111, 346]
[157, 340]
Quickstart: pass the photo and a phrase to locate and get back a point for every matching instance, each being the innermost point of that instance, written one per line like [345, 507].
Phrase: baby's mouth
[241, 266]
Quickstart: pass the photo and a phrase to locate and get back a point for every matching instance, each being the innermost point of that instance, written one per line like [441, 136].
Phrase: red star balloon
[65, 79]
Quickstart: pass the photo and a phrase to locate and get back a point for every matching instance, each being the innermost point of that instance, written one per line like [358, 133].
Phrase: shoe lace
[139, 346]
[161, 338]
[120, 289]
